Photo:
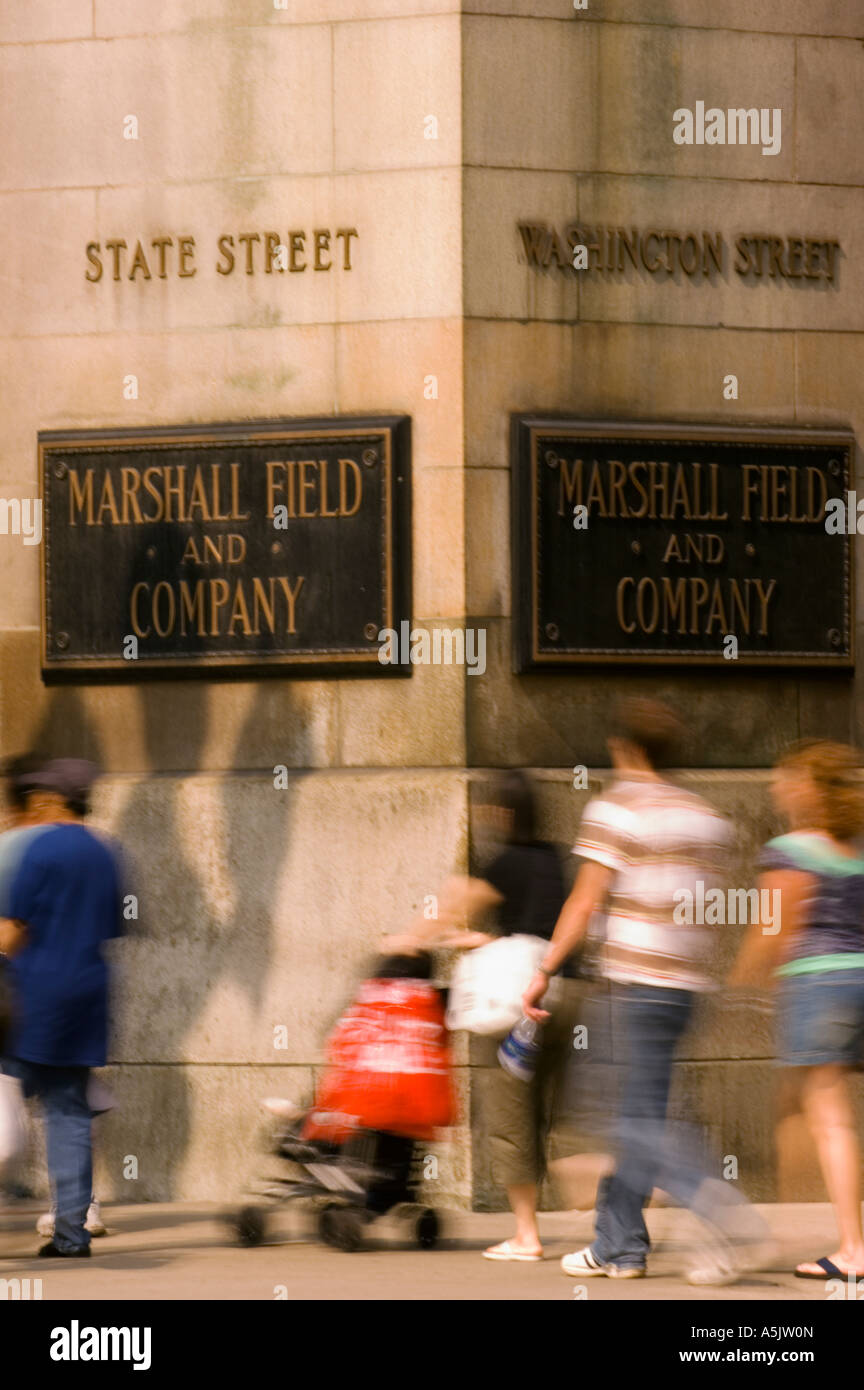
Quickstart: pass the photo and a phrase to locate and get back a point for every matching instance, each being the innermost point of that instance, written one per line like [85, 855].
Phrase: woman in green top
[818, 960]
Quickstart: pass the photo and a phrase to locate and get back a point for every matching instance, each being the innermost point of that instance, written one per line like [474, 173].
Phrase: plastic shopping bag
[12, 1120]
[99, 1097]
[389, 1066]
[488, 984]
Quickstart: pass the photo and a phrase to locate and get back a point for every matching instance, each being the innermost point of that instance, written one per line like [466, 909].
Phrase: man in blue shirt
[19, 831]
[63, 904]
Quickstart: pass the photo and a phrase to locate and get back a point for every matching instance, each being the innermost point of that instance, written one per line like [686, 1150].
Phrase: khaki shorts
[522, 1118]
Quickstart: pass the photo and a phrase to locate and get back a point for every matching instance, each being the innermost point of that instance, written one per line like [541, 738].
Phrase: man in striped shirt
[642, 842]
[657, 840]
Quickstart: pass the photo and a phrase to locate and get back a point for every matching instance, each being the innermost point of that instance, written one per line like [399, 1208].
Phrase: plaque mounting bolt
[370, 632]
[276, 547]
[636, 547]
[62, 640]
[60, 470]
[834, 637]
[834, 468]
[749, 549]
[552, 632]
[370, 458]
[551, 459]
[151, 552]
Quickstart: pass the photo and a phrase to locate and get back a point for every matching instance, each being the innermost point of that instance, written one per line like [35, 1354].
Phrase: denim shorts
[821, 1019]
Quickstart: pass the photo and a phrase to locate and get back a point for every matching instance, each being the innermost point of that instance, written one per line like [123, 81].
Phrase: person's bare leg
[828, 1108]
[523, 1200]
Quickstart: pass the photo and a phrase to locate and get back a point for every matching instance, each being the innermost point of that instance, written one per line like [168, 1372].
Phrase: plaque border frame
[396, 536]
[527, 429]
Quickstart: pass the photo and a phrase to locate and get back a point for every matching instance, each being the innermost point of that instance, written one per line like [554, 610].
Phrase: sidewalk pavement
[184, 1250]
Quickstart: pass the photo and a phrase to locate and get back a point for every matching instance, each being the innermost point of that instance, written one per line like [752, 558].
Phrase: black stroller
[349, 1186]
[368, 1172]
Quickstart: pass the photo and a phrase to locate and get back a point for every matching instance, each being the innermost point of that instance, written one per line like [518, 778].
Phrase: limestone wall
[568, 119]
[258, 906]
[585, 135]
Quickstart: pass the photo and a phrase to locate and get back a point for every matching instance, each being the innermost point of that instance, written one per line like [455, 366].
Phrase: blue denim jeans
[821, 1019]
[647, 1024]
[63, 1094]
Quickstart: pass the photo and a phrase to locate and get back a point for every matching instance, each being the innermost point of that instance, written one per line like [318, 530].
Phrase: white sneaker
[45, 1224]
[94, 1223]
[582, 1264]
[715, 1260]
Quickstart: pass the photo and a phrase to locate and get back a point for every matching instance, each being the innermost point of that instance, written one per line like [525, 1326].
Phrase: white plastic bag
[488, 984]
[12, 1120]
[99, 1097]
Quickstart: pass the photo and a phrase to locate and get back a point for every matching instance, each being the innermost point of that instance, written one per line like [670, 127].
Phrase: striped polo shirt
[658, 839]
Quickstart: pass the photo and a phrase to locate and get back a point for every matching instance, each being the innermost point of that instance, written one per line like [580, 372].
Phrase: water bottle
[520, 1050]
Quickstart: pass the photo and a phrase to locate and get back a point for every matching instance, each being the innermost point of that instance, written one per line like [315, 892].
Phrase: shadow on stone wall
[192, 935]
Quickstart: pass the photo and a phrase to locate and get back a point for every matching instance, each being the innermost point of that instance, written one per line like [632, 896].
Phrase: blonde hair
[835, 771]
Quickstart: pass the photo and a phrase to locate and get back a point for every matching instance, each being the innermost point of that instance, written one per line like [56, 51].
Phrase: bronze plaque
[272, 546]
[661, 544]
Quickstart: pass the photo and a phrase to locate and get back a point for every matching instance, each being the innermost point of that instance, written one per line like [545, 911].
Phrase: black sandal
[830, 1271]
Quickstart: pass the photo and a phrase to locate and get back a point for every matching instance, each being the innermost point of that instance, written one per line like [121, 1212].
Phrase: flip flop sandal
[830, 1271]
[506, 1251]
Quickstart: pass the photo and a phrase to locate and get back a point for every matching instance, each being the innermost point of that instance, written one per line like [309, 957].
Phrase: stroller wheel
[342, 1227]
[427, 1229]
[328, 1221]
[249, 1224]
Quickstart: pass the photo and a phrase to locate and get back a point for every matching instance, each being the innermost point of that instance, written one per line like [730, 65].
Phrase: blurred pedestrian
[643, 840]
[817, 960]
[13, 839]
[519, 891]
[63, 904]
[18, 829]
